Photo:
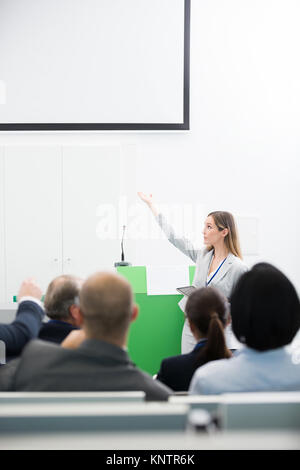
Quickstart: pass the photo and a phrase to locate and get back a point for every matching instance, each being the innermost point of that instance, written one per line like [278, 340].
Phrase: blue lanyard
[208, 282]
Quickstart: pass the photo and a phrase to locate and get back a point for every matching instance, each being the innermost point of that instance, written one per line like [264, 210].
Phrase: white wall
[242, 151]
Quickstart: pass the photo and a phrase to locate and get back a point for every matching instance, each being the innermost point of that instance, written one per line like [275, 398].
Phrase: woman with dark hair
[208, 314]
[265, 312]
[218, 264]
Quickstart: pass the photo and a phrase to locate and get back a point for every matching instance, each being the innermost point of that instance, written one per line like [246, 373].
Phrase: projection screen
[94, 64]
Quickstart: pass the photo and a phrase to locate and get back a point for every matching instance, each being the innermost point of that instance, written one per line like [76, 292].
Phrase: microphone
[122, 262]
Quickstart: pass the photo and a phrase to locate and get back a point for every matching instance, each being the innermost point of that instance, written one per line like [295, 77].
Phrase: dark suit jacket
[55, 331]
[177, 371]
[25, 327]
[94, 366]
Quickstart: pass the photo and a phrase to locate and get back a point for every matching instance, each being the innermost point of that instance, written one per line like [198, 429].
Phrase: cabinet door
[32, 215]
[2, 239]
[91, 222]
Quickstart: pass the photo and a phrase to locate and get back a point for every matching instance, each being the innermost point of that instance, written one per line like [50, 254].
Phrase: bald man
[100, 362]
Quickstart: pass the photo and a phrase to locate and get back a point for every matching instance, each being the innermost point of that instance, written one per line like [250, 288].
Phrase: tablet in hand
[186, 290]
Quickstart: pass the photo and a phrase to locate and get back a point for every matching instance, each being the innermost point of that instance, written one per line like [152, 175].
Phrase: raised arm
[182, 243]
[28, 319]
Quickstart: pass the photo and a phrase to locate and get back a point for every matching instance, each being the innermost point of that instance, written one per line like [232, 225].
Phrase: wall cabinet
[2, 238]
[50, 200]
[32, 196]
[91, 191]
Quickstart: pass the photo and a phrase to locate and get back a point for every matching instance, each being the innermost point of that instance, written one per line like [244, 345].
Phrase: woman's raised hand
[149, 201]
[146, 198]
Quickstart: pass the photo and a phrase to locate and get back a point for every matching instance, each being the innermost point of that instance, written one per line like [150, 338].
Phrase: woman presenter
[218, 264]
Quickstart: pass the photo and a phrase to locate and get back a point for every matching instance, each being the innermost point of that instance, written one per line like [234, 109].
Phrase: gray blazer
[227, 276]
[94, 366]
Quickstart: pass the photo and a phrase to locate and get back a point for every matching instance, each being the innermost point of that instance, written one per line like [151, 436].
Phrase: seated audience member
[100, 362]
[207, 313]
[265, 312]
[61, 305]
[28, 321]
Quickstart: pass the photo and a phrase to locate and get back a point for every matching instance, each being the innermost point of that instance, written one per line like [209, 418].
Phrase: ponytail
[215, 347]
[208, 311]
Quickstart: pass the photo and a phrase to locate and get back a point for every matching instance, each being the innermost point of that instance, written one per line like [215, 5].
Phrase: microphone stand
[122, 262]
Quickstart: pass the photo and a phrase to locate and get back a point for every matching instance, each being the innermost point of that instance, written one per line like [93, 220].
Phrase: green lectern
[156, 333]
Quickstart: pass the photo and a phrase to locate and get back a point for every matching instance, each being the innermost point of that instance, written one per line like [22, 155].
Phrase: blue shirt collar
[200, 344]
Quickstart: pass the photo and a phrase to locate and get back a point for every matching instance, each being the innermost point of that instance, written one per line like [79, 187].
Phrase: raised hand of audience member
[30, 288]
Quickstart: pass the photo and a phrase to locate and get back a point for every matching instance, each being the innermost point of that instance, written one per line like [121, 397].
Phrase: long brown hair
[208, 310]
[226, 220]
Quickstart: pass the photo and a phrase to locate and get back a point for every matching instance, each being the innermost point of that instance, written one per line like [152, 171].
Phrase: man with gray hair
[61, 304]
[100, 362]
